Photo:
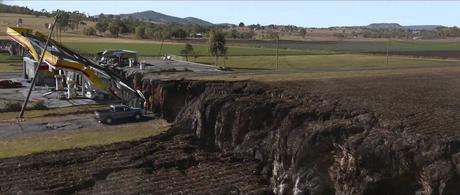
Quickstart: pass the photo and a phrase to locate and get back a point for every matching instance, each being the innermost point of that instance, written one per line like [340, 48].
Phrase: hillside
[36, 23]
[157, 17]
[398, 26]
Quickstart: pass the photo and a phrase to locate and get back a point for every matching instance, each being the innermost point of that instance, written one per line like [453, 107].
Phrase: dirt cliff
[309, 143]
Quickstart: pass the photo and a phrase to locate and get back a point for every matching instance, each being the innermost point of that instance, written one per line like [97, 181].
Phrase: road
[58, 124]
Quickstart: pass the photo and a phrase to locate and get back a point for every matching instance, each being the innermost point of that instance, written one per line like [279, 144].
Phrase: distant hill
[398, 26]
[384, 26]
[193, 20]
[160, 18]
[423, 27]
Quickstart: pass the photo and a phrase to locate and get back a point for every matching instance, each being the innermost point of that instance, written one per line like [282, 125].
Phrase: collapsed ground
[385, 135]
[333, 122]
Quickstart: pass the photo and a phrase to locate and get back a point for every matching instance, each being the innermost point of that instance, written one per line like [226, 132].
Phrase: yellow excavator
[60, 57]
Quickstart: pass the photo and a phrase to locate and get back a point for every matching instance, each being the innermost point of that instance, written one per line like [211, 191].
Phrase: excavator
[60, 57]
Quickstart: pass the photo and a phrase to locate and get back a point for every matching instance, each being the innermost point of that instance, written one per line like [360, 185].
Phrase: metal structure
[59, 57]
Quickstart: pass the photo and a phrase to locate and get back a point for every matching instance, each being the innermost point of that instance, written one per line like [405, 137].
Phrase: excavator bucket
[60, 57]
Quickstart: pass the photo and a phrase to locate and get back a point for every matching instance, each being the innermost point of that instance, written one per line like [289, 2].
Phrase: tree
[101, 27]
[216, 44]
[179, 33]
[89, 31]
[113, 28]
[303, 32]
[234, 34]
[188, 50]
[140, 32]
[241, 24]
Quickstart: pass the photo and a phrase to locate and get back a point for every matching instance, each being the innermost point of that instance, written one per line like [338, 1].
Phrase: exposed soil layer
[358, 136]
[352, 136]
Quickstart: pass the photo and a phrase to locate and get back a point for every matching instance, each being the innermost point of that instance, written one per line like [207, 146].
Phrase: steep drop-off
[257, 138]
[308, 143]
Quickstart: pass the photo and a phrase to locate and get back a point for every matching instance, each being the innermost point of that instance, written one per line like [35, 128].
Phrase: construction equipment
[58, 57]
[112, 57]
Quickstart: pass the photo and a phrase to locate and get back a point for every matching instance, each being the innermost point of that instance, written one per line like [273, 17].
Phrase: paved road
[57, 124]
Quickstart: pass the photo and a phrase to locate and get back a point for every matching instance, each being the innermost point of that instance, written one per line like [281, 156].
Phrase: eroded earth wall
[307, 143]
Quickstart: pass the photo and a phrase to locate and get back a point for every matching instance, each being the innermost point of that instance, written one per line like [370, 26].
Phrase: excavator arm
[59, 56]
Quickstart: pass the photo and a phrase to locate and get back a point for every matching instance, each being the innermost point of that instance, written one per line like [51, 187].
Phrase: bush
[12, 106]
[140, 32]
[91, 31]
[39, 106]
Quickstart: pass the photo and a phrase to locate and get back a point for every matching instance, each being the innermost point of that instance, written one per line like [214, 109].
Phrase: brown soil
[162, 164]
[394, 135]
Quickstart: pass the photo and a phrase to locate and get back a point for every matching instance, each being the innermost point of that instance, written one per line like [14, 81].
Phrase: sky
[299, 13]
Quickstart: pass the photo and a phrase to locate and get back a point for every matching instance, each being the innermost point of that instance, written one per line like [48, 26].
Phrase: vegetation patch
[30, 114]
[60, 141]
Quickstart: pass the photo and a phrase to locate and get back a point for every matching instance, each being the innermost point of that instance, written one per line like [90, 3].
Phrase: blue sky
[300, 13]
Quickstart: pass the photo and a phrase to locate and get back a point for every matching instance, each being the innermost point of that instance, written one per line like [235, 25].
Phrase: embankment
[307, 143]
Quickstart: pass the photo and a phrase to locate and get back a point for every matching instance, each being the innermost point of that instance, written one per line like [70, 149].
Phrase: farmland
[361, 46]
[326, 62]
[323, 57]
[153, 49]
[37, 23]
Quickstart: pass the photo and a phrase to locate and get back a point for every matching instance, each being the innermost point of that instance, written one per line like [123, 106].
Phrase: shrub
[12, 106]
[39, 106]
[90, 31]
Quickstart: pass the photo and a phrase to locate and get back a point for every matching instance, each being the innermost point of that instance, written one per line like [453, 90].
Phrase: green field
[65, 140]
[325, 62]
[359, 46]
[306, 55]
[10, 63]
[153, 49]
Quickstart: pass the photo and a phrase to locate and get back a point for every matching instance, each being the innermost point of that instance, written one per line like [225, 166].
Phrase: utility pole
[277, 47]
[388, 49]
[161, 46]
[24, 105]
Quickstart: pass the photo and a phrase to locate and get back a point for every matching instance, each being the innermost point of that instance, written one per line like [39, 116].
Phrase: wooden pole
[277, 47]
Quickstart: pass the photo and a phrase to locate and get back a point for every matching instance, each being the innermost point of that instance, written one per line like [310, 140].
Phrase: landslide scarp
[309, 143]
[257, 138]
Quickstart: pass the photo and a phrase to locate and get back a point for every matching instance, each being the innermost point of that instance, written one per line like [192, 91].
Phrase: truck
[118, 112]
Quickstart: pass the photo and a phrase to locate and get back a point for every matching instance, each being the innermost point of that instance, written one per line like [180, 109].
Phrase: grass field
[153, 49]
[60, 141]
[36, 23]
[318, 75]
[10, 63]
[324, 62]
[268, 48]
[359, 46]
